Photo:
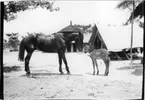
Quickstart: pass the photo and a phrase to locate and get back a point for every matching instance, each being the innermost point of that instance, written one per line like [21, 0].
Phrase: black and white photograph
[69, 49]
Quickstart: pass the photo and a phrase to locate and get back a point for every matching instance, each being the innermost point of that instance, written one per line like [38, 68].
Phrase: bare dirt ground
[46, 82]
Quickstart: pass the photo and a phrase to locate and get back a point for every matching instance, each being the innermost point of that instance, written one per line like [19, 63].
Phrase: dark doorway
[74, 47]
[97, 43]
[69, 48]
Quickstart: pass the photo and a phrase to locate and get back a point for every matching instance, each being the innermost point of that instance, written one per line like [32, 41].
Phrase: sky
[101, 13]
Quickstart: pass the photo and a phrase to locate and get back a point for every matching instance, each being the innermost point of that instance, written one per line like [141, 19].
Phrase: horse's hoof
[97, 73]
[105, 74]
[61, 73]
[28, 73]
[68, 73]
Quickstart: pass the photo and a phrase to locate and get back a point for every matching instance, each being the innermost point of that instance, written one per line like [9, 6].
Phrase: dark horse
[55, 42]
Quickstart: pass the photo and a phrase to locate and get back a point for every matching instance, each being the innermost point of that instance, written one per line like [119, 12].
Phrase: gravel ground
[45, 81]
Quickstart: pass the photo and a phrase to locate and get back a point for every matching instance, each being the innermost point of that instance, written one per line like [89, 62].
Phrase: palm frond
[138, 12]
[128, 4]
[124, 4]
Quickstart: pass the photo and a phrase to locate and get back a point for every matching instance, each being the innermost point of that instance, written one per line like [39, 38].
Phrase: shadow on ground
[44, 74]
[11, 68]
[137, 72]
[137, 69]
[95, 74]
[50, 74]
[39, 74]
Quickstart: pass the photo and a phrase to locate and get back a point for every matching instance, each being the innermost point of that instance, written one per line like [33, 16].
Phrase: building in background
[69, 30]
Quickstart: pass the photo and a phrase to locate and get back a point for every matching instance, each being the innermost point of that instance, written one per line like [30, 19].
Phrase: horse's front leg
[65, 62]
[60, 63]
[93, 66]
[27, 60]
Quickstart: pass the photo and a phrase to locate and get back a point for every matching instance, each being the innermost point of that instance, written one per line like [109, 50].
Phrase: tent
[97, 42]
[96, 39]
[118, 37]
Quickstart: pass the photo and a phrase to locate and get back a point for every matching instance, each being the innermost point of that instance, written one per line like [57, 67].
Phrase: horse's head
[79, 40]
[87, 48]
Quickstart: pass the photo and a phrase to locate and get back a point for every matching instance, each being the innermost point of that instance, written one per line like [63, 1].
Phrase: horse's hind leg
[93, 66]
[27, 59]
[107, 62]
[60, 63]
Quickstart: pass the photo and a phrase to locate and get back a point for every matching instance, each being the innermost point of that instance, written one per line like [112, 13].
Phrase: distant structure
[94, 38]
[69, 30]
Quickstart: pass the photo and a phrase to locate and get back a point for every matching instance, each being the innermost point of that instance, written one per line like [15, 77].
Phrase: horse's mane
[59, 37]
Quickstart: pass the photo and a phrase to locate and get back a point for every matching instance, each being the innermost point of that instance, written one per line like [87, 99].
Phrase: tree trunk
[131, 34]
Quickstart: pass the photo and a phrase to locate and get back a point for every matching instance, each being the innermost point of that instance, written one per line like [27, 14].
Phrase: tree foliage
[127, 4]
[85, 28]
[13, 40]
[11, 8]
[137, 12]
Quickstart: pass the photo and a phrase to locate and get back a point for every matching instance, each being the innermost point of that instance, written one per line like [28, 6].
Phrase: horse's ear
[80, 33]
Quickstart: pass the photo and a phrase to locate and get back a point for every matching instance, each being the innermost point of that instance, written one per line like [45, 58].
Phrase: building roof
[69, 29]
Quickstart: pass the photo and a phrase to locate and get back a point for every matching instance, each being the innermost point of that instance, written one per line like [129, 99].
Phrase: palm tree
[137, 12]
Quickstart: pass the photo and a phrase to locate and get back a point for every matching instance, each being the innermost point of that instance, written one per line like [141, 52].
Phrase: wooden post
[131, 35]
[71, 47]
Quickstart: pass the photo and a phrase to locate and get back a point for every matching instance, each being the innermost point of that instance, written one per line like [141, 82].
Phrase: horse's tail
[21, 51]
